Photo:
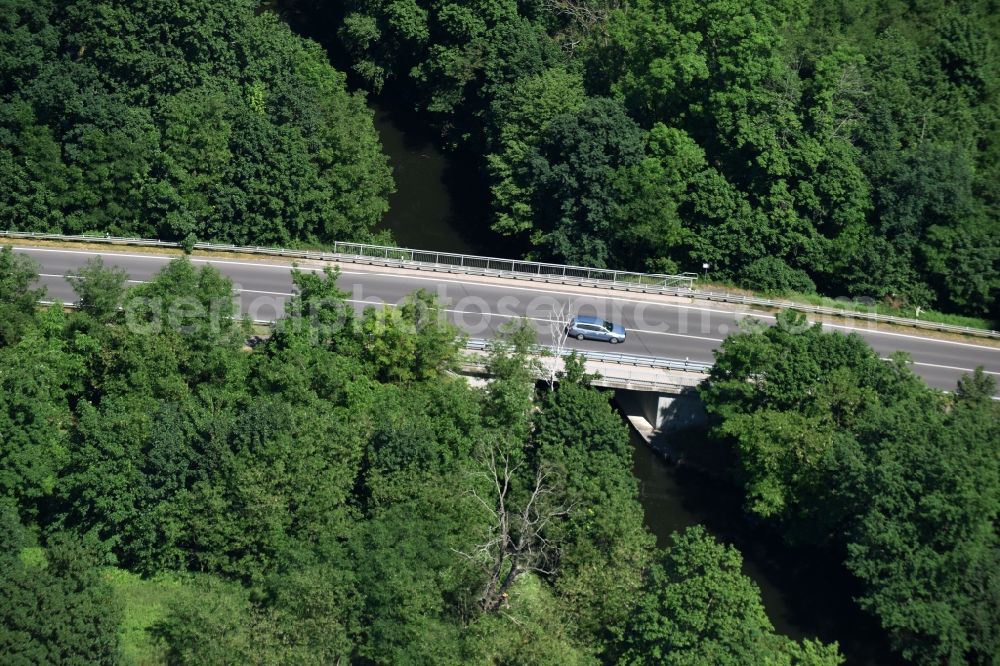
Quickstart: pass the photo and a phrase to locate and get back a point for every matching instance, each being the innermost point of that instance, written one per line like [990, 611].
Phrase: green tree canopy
[55, 605]
[840, 448]
[700, 608]
[101, 289]
[18, 300]
[175, 119]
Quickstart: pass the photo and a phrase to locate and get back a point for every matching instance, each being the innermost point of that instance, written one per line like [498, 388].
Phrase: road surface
[656, 326]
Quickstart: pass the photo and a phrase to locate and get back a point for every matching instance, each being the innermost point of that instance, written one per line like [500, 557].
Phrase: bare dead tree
[559, 332]
[848, 96]
[583, 16]
[515, 541]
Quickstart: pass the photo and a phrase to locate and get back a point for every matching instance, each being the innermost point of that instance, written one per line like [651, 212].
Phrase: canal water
[441, 203]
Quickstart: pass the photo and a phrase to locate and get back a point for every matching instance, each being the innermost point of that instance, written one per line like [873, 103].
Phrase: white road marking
[443, 278]
[676, 335]
[268, 293]
[438, 278]
[464, 312]
[884, 358]
[540, 319]
[554, 291]
[949, 367]
[50, 275]
[913, 337]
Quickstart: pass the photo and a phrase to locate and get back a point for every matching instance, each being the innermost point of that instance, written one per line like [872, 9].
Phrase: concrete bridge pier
[662, 412]
[655, 415]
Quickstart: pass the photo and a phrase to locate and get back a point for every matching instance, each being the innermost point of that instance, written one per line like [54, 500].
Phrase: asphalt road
[654, 327]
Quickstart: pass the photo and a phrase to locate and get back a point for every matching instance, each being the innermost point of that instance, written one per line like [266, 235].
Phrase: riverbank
[806, 592]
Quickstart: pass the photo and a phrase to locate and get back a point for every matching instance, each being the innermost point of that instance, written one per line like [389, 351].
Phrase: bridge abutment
[664, 412]
[655, 416]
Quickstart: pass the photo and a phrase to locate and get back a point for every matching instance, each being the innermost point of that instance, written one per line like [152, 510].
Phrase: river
[440, 204]
[806, 593]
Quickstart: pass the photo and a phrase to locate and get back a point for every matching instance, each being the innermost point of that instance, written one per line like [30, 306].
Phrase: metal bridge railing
[422, 259]
[517, 268]
[478, 344]
[677, 285]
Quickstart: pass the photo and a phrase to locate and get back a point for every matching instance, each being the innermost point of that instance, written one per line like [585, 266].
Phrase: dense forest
[846, 452]
[169, 494]
[176, 119]
[333, 494]
[847, 145]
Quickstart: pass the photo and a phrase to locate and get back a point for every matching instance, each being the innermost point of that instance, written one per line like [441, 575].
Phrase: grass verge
[906, 311]
[144, 602]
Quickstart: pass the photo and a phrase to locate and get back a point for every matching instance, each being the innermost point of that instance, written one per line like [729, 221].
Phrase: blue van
[592, 328]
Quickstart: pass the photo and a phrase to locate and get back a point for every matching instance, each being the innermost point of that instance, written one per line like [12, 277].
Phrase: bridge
[667, 322]
[656, 396]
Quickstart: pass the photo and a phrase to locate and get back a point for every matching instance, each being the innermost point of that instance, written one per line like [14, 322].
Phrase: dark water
[441, 200]
[439, 203]
[806, 594]
[675, 498]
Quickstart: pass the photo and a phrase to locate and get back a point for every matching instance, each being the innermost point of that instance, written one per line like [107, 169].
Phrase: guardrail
[420, 259]
[478, 344]
[674, 285]
[613, 379]
[779, 304]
